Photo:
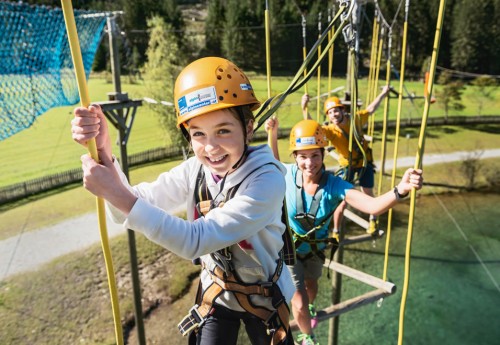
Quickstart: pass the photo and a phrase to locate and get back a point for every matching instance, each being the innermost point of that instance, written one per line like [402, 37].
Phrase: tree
[213, 30]
[472, 40]
[159, 72]
[242, 40]
[450, 95]
[485, 86]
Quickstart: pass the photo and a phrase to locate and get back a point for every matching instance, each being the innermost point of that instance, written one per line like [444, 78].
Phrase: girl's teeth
[217, 159]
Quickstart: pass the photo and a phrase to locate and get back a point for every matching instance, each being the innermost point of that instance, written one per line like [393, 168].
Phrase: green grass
[46, 147]
[67, 301]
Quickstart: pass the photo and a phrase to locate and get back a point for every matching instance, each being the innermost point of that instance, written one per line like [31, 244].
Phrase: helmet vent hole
[221, 98]
[235, 95]
[220, 70]
[226, 91]
[219, 77]
[229, 76]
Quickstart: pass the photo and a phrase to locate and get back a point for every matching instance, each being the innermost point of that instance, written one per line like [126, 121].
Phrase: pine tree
[159, 73]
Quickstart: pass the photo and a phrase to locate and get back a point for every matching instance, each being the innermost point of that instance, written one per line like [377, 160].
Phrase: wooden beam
[375, 282]
[356, 239]
[356, 219]
[343, 307]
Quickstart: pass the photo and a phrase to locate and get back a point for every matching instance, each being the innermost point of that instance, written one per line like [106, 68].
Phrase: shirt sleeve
[256, 206]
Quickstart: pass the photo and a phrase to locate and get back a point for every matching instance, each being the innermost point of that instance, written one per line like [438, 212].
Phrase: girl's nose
[211, 145]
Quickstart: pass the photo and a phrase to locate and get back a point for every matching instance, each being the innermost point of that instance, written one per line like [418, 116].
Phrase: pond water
[454, 289]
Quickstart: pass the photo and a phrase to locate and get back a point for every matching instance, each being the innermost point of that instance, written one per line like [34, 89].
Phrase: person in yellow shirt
[359, 164]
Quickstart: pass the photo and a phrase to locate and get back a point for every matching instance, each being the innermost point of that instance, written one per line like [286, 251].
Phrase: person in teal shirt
[312, 195]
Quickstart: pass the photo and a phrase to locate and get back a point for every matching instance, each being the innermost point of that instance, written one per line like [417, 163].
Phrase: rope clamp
[344, 3]
[349, 35]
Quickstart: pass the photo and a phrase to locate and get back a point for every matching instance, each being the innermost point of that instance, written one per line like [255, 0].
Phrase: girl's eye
[223, 131]
[196, 134]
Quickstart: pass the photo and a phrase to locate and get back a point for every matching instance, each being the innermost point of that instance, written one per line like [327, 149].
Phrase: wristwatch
[399, 196]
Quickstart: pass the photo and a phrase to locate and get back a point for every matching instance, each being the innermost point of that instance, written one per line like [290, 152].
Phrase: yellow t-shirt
[337, 138]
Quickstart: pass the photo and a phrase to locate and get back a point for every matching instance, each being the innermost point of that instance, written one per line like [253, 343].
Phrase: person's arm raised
[271, 127]
[370, 205]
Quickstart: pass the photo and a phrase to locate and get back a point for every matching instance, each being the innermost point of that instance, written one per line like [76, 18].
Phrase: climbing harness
[225, 277]
[307, 219]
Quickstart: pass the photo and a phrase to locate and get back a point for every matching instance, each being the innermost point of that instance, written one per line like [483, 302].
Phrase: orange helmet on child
[333, 102]
[210, 84]
[306, 135]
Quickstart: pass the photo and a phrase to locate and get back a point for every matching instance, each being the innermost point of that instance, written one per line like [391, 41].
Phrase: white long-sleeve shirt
[249, 223]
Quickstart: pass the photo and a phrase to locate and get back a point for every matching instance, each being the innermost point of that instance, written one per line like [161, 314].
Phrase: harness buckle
[191, 321]
[267, 289]
[223, 262]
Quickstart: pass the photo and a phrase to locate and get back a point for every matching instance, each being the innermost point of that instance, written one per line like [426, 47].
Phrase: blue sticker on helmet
[246, 87]
[197, 99]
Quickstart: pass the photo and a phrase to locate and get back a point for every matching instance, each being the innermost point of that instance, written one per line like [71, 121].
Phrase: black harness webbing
[225, 277]
[308, 219]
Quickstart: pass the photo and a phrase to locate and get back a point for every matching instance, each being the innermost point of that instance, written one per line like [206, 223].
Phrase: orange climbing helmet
[332, 102]
[306, 135]
[209, 84]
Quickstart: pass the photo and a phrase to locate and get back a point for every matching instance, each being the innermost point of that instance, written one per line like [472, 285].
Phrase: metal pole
[117, 95]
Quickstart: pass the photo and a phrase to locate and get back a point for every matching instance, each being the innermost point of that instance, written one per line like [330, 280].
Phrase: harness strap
[276, 321]
[204, 203]
[307, 219]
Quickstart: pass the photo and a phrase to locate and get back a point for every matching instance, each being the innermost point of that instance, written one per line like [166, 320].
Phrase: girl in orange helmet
[312, 196]
[234, 195]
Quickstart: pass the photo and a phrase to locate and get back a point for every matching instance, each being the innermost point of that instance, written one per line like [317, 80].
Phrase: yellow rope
[268, 61]
[383, 147]
[85, 102]
[371, 125]
[304, 48]
[398, 122]
[418, 164]
[372, 60]
[330, 60]
[318, 100]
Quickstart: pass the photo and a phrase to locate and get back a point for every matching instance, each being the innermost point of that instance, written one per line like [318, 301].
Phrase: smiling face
[217, 139]
[310, 162]
[336, 115]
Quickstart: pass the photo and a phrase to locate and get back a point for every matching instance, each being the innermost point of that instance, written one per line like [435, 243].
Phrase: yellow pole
[304, 50]
[398, 123]
[330, 54]
[372, 58]
[318, 100]
[268, 60]
[85, 102]
[371, 124]
[418, 164]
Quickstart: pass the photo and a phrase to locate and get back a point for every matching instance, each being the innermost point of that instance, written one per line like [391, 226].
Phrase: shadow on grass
[484, 128]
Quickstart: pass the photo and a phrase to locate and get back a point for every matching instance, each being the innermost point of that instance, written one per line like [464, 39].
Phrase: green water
[454, 293]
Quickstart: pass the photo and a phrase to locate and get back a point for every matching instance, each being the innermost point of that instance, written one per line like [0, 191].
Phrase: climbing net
[36, 70]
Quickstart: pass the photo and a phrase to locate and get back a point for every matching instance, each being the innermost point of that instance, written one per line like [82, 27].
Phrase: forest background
[235, 29]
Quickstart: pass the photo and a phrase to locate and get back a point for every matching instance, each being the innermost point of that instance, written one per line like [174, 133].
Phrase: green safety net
[36, 69]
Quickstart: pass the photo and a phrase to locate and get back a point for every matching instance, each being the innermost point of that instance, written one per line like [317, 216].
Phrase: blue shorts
[364, 175]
